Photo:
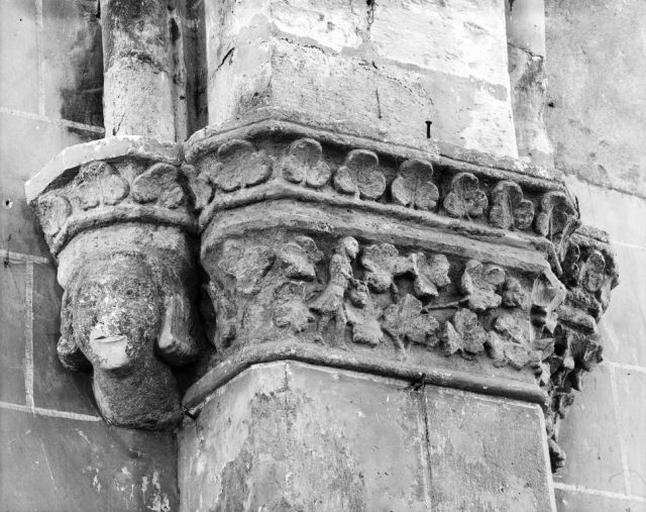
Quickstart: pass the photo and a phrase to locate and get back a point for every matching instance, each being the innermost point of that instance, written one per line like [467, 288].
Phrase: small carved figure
[330, 303]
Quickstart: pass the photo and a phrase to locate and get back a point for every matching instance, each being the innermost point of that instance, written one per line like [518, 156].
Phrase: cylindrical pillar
[137, 94]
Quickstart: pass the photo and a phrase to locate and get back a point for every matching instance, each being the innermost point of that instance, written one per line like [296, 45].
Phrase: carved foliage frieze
[365, 176]
[104, 191]
[343, 293]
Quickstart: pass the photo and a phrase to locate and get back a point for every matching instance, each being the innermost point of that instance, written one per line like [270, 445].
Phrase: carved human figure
[330, 303]
[129, 316]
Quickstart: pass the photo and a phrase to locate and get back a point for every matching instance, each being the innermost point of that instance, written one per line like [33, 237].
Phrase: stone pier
[335, 307]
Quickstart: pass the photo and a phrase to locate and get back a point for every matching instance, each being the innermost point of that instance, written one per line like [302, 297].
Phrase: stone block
[72, 63]
[54, 386]
[19, 56]
[486, 454]
[25, 146]
[12, 331]
[63, 465]
[631, 398]
[290, 436]
[623, 327]
[567, 501]
[346, 69]
[590, 437]
[596, 104]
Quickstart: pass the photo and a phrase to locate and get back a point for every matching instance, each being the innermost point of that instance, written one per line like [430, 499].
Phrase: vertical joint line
[426, 446]
[40, 79]
[622, 446]
[29, 334]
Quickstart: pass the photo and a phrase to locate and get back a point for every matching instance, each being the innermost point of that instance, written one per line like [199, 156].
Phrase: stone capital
[117, 215]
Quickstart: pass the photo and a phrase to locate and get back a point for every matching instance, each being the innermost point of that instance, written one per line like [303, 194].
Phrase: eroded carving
[414, 187]
[465, 198]
[509, 208]
[342, 293]
[360, 175]
[128, 313]
[304, 164]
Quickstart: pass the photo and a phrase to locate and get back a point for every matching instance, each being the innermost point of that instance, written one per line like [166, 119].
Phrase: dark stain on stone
[82, 98]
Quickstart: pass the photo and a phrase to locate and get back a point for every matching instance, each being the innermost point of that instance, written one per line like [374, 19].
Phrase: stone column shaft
[138, 74]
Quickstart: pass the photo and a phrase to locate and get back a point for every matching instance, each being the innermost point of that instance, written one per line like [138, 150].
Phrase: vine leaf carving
[299, 258]
[241, 165]
[304, 163]
[480, 283]
[509, 208]
[360, 174]
[383, 263]
[201, 184]
[514, 295]
[593, 272]
[557, 215]
[413, 185]
[247, 265]
[99, 183]
[548, 293]
[464, 334]
[515, 344]
[158, 183]
[465, 199]
[406, 321]
[430, 274]
[53, 211]
[289, 308]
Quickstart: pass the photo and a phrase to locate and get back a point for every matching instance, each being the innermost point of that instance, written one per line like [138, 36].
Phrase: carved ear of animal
[176, 344]
[70, 355]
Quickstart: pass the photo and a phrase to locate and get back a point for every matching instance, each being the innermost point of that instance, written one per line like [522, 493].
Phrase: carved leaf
[430, 274]
[383, 263]
[299, 258]
[548, 293]
[247, 265]
[593, 272]
[289, 308]
[201, 185]
[480, 283]
[241, 165]
[360, 172]
[406, 321]
[53, 211]
[557, 214]
[514, 295]
[99, 183]
[509, 208]
[465, 199]
[464, 334]
[413, 185]
[304, 162]
[158, 183]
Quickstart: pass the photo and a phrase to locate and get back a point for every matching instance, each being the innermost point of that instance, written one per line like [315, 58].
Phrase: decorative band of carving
[99, 184]
[589, 273]
[231, 169]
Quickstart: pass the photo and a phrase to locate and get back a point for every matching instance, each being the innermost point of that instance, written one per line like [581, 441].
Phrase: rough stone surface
[408, 63]
[298, 437]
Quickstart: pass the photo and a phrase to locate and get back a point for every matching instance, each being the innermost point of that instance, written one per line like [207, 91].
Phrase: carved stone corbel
[118, 216]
